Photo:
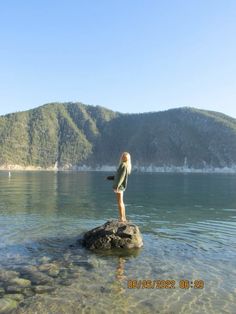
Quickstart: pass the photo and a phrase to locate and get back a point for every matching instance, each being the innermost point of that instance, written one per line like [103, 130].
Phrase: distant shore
[107, 168]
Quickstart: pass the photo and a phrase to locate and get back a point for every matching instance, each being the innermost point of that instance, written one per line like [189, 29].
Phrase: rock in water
[7, 305]
[113, 234]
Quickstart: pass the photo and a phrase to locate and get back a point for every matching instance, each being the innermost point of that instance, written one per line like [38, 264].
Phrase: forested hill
[73, 134]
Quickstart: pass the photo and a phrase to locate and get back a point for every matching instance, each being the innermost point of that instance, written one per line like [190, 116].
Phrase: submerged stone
[28, 292]
[17, 296]
[43, 289]
[36, 277]
[6, 275]
[113, 234]
[29, 268]
[44, 259]
[50, 268]
[21, 282]
[7, 305]
[14, 289]
[65, 282]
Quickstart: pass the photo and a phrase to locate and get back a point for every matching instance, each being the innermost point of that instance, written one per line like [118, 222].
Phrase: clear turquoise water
[188, 223]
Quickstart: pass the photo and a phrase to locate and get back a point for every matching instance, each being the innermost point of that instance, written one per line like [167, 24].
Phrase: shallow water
[188, 223]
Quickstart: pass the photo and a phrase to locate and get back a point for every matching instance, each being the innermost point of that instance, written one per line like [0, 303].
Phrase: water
[188, 223]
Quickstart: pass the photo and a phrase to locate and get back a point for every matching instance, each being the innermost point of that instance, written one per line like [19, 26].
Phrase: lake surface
[188, 223]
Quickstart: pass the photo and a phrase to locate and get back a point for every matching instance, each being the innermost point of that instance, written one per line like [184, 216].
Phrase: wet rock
[84, 264]
[15, 296]
[39, 278]
[36, 277]
[54, 272]
[28, 269]
[28, 292]
[50, 268]
[65, 282]
[64, 274]
[14, 289]
[113, 234]
[7, 305]
[21, 282]
[45, 267]
[7, 275]
[43, 289]
[44, 259]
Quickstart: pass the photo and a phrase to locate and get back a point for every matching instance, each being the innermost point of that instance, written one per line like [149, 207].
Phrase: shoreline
[106, 168]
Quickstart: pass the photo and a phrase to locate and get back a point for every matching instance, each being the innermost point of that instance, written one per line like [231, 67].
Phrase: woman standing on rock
[120, 182]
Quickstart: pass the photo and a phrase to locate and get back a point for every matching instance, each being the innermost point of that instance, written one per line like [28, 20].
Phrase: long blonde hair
[126, 156]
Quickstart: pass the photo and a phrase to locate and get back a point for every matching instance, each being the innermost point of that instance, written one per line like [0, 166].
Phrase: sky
[125, 55]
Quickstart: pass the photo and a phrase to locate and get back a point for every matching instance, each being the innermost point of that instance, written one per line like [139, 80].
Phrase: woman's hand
[116, 190]
[110, 177]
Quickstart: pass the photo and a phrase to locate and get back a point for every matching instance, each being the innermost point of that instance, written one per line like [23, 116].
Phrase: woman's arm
[119, 177]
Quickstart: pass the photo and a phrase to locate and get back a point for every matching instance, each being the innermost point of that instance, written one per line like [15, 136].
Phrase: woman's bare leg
[121, 206]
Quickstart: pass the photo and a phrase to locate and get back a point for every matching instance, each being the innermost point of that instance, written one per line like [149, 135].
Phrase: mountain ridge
[74, 135]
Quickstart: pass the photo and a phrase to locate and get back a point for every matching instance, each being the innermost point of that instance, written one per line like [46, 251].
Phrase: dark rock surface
[113, 234]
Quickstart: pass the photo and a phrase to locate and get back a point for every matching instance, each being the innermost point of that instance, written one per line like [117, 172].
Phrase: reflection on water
[188, 222]
[120, 269]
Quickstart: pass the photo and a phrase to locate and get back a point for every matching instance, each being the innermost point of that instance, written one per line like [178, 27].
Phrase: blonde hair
[127, 161]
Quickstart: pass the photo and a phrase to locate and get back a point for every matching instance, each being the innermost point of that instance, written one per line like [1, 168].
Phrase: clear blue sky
[126, 55]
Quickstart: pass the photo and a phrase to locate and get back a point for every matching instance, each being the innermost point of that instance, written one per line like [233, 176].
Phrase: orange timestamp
[165, 284]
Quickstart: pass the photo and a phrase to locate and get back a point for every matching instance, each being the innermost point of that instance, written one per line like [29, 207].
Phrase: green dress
[121, 178]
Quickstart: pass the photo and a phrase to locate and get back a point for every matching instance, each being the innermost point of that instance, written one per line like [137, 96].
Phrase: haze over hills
[70, 135]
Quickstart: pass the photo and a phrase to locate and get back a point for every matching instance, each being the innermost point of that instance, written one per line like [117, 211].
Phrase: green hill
[74, 134]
